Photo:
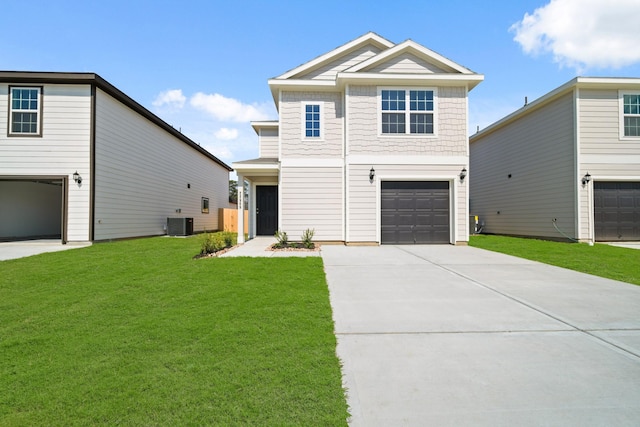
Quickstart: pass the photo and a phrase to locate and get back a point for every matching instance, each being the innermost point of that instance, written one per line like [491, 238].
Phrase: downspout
[92, 166]
[345, 169]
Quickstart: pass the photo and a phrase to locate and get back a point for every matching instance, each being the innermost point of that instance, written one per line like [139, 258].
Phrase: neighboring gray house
[370, 147]
[81, 161]
[564, 166]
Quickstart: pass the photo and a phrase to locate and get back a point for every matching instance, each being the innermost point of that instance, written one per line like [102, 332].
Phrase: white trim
[38, 111]
[312, 162]
[303, 124]
[632, 178]
[279, 133]
[471, 80]
[453, 202]
[610, 158]
[345, 166]
[407, 112]
[366, 159]
[577, 162]
[621, 114]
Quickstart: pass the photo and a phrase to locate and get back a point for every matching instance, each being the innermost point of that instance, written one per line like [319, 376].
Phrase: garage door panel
[617, 211]
[415, 212]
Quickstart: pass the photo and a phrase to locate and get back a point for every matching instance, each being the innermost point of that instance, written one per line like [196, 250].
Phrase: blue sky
[203, 66]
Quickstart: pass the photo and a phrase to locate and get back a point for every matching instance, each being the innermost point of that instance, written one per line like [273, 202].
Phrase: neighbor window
[419, 114]
[24, 111]
[631, 114]
[205, 205]
[312, 120]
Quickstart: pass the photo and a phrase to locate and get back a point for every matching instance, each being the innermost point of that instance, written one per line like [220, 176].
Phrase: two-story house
[370, 147]
[81, 161]
[565, 166]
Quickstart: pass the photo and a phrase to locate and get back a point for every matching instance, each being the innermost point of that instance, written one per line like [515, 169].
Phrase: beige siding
[293, 145]
[269, 143]
[538, 152]
[143, 174]
[407, 64]
[329, 71]
[362, 212]
[63, 148]
[364, 124]
[311, 197]
[602, 152]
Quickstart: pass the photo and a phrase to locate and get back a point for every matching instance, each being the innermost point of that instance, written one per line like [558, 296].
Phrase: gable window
[312, 121]
[631, 114]
[24, 111]
[415, 107]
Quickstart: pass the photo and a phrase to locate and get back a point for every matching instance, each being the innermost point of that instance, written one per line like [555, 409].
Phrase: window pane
[421, 100]
[631, 104]
[24, 123]
[421, 123]
[393, 123]
[312, 121]
[393, 100]
[632, 126]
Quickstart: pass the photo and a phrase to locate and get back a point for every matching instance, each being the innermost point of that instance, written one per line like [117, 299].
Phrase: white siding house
[132, 170]
[566, 166]
[371, 148]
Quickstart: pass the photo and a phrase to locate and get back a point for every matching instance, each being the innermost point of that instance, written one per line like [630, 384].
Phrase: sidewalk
[259, 247]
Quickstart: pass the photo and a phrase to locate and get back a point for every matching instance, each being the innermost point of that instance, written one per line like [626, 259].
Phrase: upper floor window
[631, 114]
[312, 120]
[407, 111]
[24, 111]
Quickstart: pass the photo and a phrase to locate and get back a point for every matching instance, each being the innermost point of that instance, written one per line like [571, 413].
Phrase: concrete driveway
[13, 250]
[459, 336]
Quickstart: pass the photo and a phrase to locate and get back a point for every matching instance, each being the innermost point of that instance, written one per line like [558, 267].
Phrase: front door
[266, 210]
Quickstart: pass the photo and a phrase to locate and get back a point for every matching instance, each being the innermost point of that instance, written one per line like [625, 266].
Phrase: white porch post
[240, 190]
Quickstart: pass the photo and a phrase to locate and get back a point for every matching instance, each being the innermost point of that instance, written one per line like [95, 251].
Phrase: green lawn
[139, 333]
[601, 260]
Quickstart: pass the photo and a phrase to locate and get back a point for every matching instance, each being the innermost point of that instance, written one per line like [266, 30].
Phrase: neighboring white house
[81, 161]
[564, 166]
[370, 147]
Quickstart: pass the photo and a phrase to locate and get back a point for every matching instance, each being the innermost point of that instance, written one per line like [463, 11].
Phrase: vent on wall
[179, 226]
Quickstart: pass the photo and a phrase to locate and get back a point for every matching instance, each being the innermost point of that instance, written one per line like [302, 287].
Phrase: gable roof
[365, 67]
[616, 83]
[93, 79]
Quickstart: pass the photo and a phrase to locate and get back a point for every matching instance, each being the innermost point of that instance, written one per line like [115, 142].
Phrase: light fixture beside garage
[372, 174]
[586, 179]
[463, 174]
[77, 178]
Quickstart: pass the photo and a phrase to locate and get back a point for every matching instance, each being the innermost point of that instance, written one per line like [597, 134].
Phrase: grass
[139, 333]
[601, 260]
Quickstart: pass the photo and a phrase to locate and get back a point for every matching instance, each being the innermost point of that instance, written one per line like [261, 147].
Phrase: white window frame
[408, 112]
[621, 94]
[37, 111]
[303, 112]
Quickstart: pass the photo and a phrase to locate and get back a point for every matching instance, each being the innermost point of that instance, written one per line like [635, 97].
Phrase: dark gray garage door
[617, 210]
[415, 212]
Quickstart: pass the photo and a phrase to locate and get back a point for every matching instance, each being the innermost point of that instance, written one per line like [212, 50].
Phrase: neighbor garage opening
[415, 212]
[32, 208]
[616, 211]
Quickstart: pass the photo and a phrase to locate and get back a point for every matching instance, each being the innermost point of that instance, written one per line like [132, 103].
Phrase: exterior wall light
[586, 179]
[77, 178]
[463, 174]
[372, 174]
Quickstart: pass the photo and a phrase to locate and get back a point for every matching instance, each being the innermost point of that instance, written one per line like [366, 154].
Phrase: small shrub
[212, 243]
[307, 237]
[228, 238]
[282, 238]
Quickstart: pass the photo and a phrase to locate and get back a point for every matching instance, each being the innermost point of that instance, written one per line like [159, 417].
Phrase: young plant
[307, 237]
[282, 238]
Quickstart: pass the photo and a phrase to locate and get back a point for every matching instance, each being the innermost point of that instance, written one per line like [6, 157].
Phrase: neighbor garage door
[415, 212]
[617, 210]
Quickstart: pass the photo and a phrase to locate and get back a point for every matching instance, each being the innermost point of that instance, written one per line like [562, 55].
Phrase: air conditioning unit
[179, 226]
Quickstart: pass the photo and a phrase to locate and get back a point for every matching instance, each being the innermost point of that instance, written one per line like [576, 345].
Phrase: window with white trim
[24, 110]
[631, 114]
[312, 121]
[407, 111]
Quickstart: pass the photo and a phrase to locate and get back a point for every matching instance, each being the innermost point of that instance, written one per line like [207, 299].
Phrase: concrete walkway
[459, 336]
[13, 250]
[259, 247]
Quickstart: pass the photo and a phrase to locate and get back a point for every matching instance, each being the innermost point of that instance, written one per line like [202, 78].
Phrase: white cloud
[171, 98]
[583, 33]
[227, 134]
[228, 109]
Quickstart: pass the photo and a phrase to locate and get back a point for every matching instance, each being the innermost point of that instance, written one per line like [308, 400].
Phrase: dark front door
[415, 212]
[617, 210]
[266, 210]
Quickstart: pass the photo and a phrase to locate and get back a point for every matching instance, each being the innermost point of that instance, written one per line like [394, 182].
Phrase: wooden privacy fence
[228, 220]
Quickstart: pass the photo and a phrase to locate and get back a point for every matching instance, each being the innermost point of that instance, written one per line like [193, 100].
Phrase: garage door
[415, 212]
[617, 211]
